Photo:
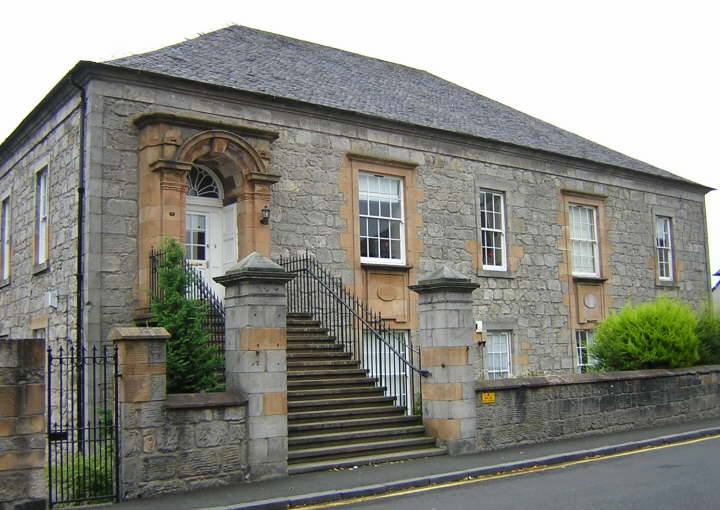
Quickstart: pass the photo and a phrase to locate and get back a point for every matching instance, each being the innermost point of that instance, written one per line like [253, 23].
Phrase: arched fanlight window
[201, 183]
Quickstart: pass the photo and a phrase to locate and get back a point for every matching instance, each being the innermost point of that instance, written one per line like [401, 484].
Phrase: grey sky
[640, 77]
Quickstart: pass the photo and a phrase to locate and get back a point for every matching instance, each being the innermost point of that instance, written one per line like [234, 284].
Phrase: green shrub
[659, 334]
[708, 333]
[84, 477]
[193, 365]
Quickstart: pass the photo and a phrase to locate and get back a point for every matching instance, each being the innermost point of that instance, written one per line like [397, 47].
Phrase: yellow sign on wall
[488, 398]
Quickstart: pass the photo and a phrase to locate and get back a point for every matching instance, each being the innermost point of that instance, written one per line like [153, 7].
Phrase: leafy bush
[659, 334]
[193, 365]
[708, 333]
[84, 477]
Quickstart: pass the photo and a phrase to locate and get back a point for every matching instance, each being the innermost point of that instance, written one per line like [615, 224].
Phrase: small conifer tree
[193, 365]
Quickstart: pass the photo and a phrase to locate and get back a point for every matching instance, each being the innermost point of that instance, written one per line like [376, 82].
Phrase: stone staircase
[337, 415]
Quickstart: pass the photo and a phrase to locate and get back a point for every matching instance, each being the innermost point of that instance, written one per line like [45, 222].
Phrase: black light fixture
[265, 218]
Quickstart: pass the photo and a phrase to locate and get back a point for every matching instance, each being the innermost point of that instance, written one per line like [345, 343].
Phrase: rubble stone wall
[515, 412]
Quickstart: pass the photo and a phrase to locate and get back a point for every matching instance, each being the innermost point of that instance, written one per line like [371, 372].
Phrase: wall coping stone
[445, 278]
[205, 400]
[138, 333]
[565, 380]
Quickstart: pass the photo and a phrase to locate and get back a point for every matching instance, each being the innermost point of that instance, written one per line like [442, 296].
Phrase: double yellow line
[484, 478]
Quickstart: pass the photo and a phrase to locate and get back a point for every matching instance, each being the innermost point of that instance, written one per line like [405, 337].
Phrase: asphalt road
[682, 476]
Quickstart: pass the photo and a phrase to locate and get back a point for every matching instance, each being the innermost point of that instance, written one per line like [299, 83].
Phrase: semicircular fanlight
[201, 183]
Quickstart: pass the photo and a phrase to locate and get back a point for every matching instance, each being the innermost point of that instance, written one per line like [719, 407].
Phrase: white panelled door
[204, 241]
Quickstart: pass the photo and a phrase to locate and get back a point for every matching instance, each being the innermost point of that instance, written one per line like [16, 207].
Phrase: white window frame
[485, 228]
[584, 339]
[576, 241]
[663, 226]
[5, 237]
[504, 340]
[197, 262]
[42, 204]
[401, 221]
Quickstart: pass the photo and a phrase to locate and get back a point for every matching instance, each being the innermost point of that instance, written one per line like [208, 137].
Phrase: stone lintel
[262, 177]
[135, 333]
[162, 165]
[205, 400]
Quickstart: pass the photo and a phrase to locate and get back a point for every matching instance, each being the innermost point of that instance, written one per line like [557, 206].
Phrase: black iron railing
[200, 290]
[82, 427]
[385, 353]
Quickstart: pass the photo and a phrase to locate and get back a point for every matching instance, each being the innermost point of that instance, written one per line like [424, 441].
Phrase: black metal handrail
[384, 352]
[198, 289]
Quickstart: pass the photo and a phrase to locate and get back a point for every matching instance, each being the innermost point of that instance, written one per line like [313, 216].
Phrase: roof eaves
[64, 89]
[84, 71]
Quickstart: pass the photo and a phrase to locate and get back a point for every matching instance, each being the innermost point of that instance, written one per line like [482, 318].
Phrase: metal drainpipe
[80, 275]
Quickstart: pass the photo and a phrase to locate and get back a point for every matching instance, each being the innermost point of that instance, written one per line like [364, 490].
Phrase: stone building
[383, 172]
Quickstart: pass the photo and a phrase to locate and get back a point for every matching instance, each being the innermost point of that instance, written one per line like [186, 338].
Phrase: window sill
[596, 279]
[40, 268]
[667, 284]
[391, 267]
[489, 273]
[4, 282]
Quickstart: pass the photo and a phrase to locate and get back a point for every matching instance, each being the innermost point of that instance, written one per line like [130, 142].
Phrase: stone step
[341, 403]
[318, 355]
[331, 382]
[333, 393]
[305, 332]
[352, 423]
[350, 436]
[362, 460]
[340, 451]
[337, 415]
[328, 373]
[299, 315]
[316, 415]
[321, 364]
[313, 347]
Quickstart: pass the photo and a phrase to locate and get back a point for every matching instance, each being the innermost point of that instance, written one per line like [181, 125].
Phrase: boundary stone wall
[542, 409]
[173, 443]
[22, 424]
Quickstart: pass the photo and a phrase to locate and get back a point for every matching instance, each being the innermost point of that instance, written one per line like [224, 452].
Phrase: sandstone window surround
[584, 339]
[42, 229]
[663, 248]
[491, 212]
[498, 355]
[383, 284]
[382, 219]
[5, 230]
[584, 240]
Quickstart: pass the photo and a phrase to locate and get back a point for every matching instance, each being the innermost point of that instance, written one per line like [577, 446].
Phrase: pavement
[325, 486]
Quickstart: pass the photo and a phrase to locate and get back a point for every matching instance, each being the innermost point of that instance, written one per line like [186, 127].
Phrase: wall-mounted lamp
[265, 218]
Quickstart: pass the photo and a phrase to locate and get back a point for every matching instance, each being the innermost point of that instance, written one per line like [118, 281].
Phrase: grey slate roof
[252, 60]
